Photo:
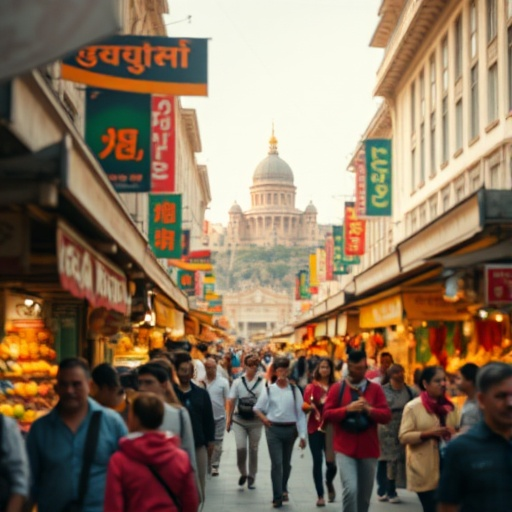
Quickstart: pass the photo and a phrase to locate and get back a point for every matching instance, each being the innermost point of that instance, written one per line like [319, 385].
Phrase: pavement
[224, 495]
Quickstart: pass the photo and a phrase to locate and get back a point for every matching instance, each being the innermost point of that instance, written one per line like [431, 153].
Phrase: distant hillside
[274, 267]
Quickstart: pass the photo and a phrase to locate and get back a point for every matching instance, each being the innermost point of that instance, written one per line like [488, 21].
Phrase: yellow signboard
[432, 306]
[381, 313]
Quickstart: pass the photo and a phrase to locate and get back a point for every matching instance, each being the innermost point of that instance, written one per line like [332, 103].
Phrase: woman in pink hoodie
[150, 472]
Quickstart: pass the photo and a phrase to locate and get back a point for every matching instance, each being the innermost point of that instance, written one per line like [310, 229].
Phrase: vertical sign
[321, 264]
[297, 286]
[313, 274]
[378, 178]
[199, 283]
[338, 265]
[186, 281]
[185, 242]
[163, 144]
[355, 232]
[360, 165]
[329, 257]
[165, 225]
[118, 131]
[304, 284]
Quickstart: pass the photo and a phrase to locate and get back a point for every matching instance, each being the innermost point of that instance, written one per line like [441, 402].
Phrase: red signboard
[329, 257]
[360, 165]
[355, 232]
[86, 275]
[498, 284]
[163, 144]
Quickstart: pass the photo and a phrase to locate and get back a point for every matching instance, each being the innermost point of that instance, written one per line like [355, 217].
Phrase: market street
[223, 493]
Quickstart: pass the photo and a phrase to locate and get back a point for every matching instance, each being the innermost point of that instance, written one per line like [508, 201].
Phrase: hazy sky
[305, 65]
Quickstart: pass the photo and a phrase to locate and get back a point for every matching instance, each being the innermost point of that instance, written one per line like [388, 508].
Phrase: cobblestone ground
[224, 495]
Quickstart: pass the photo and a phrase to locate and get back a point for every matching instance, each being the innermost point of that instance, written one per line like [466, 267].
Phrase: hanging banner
[378, 178]
[360, 165]
[297, 286]
[163, 144]
[313, 274]
[209, 279]
[208, 290]
[498, 284]
[165, 225]
[215, 305]
[142, 64]
[118, 131]
[304, 285]
[355, 232]
[321, 264]
[186, 282]
[199, 284]
[341, 261]
[329, 257]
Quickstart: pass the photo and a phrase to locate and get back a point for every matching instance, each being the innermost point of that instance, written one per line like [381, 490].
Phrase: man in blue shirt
[55, 444]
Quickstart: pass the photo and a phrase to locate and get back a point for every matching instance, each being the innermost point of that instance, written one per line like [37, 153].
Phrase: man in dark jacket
[199, 406]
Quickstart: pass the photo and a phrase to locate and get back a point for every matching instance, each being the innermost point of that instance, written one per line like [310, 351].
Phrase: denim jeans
[385, 486]
[317, 447]
[357, 477]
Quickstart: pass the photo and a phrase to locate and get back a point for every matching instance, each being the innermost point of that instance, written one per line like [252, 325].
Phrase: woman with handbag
[428, 422]
[246, 425]
[315, 395]
[150, 472]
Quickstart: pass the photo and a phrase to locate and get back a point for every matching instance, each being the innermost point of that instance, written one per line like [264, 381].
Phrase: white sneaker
[395, 499]
[383, 498]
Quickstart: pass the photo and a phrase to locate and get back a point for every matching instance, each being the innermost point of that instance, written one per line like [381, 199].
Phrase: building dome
[311, 208]
[273, 168]
[235, 208]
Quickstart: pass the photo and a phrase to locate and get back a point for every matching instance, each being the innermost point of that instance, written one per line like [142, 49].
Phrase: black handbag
[246, 404]
[354, 422]
[91, 443]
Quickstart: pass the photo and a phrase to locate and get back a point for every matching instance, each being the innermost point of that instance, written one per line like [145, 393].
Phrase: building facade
[273, 218]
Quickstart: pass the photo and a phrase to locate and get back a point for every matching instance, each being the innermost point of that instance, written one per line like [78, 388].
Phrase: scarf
[440, 407]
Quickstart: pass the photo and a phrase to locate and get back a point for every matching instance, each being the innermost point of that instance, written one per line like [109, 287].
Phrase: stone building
[273, 218]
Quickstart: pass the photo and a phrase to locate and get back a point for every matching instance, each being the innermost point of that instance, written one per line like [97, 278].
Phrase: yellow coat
[422, 457]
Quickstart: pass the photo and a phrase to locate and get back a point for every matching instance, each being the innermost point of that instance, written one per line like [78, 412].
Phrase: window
[422, 95]
[510, 66]
[458, 125]
[475, 116]
[433, 207]
[423, 214]
[413, 108]
[492, 93]
[433, 81]
[473, 36]
[474, 179]
[444, 129]
[444, 53]
[433, 162]
[494, 176]
[445, 198]
[422, 153]
[492, 20]
[414, 221]
[460, 188]
[413, 169]
[458, 47]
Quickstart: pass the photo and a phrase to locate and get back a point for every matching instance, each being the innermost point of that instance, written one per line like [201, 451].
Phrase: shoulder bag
[91, 443]
[173, 496]
[246, 404]
[354, 422]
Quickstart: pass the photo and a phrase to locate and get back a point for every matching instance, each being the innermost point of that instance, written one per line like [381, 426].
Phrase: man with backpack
[280, 410]
[242, 419]
[355, 406]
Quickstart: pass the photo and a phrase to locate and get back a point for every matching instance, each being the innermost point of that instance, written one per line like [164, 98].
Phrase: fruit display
[27, 374]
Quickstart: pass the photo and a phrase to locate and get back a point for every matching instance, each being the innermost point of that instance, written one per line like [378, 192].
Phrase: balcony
[415, 22]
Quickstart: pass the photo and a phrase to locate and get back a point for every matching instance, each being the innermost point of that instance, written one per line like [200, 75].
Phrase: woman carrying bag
[428, 423]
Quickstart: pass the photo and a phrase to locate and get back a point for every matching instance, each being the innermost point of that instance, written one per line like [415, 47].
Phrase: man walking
[59, 442]
[199, 406]
[471, 414]
[218, 389]
[280, 410]
[477, 469]
[355, 406]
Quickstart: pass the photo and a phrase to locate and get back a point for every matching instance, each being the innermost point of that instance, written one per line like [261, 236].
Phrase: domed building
[273, 219]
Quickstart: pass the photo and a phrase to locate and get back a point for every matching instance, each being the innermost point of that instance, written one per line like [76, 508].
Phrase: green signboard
[165, 225]
[378, 178]
[341, 260]
[118, 131]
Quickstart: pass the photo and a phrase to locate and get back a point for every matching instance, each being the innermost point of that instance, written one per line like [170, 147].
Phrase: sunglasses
[254, 363]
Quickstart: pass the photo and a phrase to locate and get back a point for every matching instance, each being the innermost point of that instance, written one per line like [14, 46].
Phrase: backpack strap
[166, 487]
[91, 443]
[244, 382]
[182, 426]
[342, 390]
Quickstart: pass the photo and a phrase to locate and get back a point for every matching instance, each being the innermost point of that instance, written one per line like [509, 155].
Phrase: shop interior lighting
[498, 317]
[483, 313]
[29, 303]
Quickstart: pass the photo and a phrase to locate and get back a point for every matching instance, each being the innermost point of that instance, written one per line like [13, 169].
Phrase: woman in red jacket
[150, 472]
[315, 395]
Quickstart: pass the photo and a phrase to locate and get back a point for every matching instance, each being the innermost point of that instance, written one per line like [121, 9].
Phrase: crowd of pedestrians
[146, 441]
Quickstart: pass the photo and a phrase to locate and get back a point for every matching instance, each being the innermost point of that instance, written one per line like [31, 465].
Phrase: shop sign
[86, 275]
[378, 177]
[304, 284]
[199, 283]
[381, 313]
[208, 289]
[431, 306]
[142, 64]
[297, 286]
[340, 260]
[14, 243]
[39, 32]
[165, 225]
[329, 257]
[321, 264]
[498, 284]
[118, 131]
[185, 242]
[23, 308]
[215, 306]
[199, 257]
[164, 312]
[360, 165]
[355, 232]
[186, 282]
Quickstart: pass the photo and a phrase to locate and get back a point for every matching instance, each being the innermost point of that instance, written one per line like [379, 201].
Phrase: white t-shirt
[238, 390]
[218, 390]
